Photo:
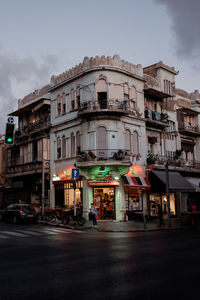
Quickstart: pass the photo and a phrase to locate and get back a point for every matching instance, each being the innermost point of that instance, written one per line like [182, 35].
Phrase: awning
[136, 183]
[194, 181]
[64, 181]
[176, 181]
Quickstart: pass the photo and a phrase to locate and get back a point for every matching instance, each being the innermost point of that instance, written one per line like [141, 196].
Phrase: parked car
[19, 212]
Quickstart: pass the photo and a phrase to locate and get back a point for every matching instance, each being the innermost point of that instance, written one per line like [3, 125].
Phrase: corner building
[98, 126]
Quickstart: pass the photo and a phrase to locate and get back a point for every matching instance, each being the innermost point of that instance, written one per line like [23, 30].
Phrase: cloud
[19, 77]
[185, 25]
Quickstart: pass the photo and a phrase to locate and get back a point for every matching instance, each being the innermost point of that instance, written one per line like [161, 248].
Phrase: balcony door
[102, 143]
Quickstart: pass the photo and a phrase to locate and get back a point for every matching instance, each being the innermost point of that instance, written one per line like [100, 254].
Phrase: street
[41, 262]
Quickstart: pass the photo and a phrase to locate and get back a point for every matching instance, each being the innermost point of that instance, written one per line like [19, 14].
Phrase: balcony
[26, 169]
[189, 129]
[176, 163]
[115, 106]
[87, 158]
[156, 119]
[31, 128]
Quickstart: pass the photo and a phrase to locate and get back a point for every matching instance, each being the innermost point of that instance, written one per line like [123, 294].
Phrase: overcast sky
[44, 37]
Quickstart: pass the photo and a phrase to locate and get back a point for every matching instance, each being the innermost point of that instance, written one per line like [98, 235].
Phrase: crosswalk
[23, 233]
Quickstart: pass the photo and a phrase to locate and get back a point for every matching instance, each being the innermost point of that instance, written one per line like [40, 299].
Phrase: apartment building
[98, 126]
[28, 157]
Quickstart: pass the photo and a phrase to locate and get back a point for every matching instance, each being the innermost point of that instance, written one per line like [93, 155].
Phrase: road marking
[62, 230]
[30, 232]
[4, 236]
[13, 233]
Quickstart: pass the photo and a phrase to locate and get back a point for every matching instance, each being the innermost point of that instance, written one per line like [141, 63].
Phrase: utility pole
[43, 186]
[167, 192]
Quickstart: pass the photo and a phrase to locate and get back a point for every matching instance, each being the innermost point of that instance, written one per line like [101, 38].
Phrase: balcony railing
[26, 168]
[103, 154]
[36, 126]
[111, 105]
[155, 116]
[176, 162]
[190, 127]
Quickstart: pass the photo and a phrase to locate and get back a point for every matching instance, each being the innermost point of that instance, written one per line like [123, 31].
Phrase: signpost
[75, 174]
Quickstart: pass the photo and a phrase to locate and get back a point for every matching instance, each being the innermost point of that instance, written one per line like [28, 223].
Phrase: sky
[44, 37]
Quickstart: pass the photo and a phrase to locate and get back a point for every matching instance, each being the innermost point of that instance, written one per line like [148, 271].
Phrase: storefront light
[116, 178]
[55, 177]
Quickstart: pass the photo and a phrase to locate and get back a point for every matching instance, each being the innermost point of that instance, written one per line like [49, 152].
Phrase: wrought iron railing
[189, 127]
[103, 154]
[26, 167]
[111, 105]
[155, 116]
[176, 162]
[41, 124]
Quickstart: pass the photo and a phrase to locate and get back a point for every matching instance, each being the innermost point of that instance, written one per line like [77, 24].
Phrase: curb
[110, 230]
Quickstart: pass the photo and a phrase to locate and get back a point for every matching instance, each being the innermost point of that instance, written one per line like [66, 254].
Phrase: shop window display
[155, 199]
[104, 199]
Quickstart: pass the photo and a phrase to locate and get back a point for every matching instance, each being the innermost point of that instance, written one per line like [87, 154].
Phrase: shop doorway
[155, 199]
[104, 199]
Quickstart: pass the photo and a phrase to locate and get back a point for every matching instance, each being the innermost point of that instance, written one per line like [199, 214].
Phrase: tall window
[78, 97]
[135, 143]
[101, 89]
[72, 99]
[72, 144]
[78, 142]
[63, 104]
[58, 106]
[63, 147]
[128, 139]
[58, 147]
[102, 143]
[133, 97]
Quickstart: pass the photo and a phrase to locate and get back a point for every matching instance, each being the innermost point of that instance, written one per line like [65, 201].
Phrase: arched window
[128, 139]
[63, 147]
[72, 144]
[58, 147]
[78, 142]
[102, 142]
[101, 89]
[135, 143]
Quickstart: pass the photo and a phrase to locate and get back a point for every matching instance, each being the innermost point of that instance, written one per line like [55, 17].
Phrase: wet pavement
[119, 226]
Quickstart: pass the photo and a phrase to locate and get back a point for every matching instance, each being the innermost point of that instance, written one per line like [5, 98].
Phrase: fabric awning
[136, 183]
[176, 181]
[194, 181]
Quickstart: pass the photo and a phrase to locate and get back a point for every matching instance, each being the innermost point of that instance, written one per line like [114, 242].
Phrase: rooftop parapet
[89, 63]
[33, 96]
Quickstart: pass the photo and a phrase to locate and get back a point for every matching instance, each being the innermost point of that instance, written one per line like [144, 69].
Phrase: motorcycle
[69, 217]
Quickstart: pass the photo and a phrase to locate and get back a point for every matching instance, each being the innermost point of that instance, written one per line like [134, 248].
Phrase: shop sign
[102, 182]
[135, 170]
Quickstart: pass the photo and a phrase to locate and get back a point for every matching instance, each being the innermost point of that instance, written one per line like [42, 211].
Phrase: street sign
[10, 120]
[75, 173]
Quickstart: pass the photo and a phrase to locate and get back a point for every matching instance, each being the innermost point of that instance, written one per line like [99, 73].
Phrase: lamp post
[167, 192]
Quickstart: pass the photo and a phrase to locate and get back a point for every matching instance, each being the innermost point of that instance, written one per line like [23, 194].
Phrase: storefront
[178, 186]
[104, 197]
[156, 198]
[136, 186]
[66, 189]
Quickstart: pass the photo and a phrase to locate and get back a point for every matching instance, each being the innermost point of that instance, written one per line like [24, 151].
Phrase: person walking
[94, 214]
[194, 214]
[160, 215]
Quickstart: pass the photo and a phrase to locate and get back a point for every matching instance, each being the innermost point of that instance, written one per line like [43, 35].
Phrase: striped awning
[136, 183]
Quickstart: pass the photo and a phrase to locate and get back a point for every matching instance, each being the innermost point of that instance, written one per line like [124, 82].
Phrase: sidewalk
[117, 226]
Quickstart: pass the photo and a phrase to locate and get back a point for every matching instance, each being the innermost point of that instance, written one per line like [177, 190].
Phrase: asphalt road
[40, 262]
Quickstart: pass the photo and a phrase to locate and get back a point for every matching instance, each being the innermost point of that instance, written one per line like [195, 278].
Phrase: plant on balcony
[178, 153]
[151, 158]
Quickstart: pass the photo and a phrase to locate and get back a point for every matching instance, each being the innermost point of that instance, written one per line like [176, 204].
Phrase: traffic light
[9, 133]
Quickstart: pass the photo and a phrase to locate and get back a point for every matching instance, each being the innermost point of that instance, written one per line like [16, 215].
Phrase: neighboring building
[28, 157]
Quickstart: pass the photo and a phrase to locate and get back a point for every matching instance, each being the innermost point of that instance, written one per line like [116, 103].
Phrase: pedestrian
[109, 210]
[160, 215]
[94, 214]
[194, 214]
